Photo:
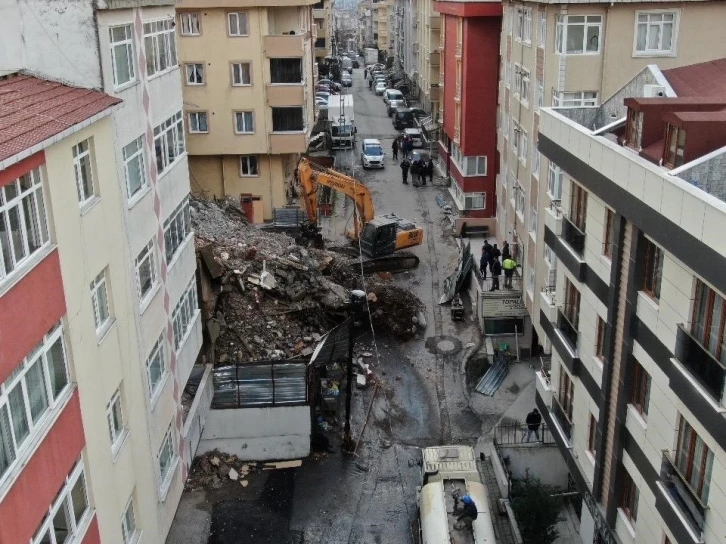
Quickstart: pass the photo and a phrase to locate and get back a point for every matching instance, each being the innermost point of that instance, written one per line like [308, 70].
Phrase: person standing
[533, 421]
[496, 272]
[430, 171]
[509, 265]
[494, 253]
[405, 165]
[506, 253]
[395, 149]
[483, 264]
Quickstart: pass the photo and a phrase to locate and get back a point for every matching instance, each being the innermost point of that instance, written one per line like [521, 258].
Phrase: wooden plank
[282, 464]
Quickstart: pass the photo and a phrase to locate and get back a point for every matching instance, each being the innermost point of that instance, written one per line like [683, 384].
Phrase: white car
[392, 94]
[415, 135]
[372, 155]
[380, 87]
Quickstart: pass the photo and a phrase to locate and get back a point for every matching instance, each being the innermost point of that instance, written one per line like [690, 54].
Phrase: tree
[536, 509]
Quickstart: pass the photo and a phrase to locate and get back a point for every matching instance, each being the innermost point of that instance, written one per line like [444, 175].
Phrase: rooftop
[33, 110]
[702, 79]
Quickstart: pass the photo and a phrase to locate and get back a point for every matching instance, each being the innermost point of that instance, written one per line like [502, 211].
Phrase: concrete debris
[244, 483]
[233, 474]
[213, 469]
[266, 298]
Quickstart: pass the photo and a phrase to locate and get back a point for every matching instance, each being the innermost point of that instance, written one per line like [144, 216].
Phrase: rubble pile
[272, 299]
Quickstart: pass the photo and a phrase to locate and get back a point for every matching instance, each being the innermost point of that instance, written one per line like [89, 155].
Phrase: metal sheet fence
[260, 385]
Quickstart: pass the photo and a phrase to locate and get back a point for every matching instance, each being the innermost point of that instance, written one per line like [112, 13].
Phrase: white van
[372, 155]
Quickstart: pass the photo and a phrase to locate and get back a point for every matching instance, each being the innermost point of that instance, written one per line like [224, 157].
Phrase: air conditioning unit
[654, 91]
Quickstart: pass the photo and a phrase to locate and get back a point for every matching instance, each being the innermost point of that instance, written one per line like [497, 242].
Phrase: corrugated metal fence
[260, 384]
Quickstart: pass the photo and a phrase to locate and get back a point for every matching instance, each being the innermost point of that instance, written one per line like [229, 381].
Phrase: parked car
[393, 104]
[372, 155]
[321, 102]
[403, 118]
[392, 94]
[417, 138]
[418, 112]
[380, 87]
[346, 80]
[420, 154]
[322, 95]
[356, 64]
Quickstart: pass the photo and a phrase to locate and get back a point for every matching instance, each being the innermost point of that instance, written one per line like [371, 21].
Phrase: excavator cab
[378, 238]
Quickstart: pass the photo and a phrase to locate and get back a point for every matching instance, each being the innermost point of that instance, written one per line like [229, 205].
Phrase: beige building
[576, 55]
[381, 24]
[426, 56]
[248, 80]
[322, 18]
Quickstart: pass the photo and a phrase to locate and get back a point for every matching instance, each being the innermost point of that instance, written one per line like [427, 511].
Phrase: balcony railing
[560, 414]
[545, 366]
[574, 237]
[680, 491]
[699, 361]
[550, 291]
[565, 325]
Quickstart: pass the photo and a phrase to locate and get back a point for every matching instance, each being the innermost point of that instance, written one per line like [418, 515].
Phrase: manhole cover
[446, 346]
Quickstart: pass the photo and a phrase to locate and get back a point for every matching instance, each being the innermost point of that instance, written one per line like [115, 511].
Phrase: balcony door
[709, 321]
[566, 392]
[578, 206]
[572, 304]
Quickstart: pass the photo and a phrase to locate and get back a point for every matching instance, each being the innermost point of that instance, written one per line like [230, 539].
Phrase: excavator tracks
[398, 262]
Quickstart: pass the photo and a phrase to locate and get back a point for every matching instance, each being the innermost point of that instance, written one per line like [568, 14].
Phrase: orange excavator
[379, 237]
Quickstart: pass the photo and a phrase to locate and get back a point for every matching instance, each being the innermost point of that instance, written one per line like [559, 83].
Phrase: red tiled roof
[703, 79]
[32, 110]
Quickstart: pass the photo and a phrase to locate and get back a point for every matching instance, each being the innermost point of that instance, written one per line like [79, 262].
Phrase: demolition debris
[266, 298]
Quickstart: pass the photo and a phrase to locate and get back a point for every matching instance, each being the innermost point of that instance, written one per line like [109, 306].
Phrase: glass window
[655, 32]
[195, 73]
[176, 229]
[542, 34]
[592, 435]
[128, 522]
[184, 312]
[640, 395]
[600, 340]
[115, 417]
[122, 54]
[160, 46]
[653, 272]
[99, 299]
[155, 365]
[55, 358]
[84, 171]
[169, 142]
[289, 119]
[244, 122]
[134, 166]
[146, 270]
[629, 494]
[78, 498]
[198, 123]
[37, 393]
[286, 70]
[166, 455]
[64, 520]
[709, 320]
[238, 24]
[190, 23]
[241, 73]
[694, 459]
[578, 34]
[248, 165]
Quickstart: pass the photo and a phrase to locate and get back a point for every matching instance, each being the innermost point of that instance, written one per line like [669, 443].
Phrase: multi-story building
[468, 102]
[322, 14]
[382, 23]
[423, 64]
[636, 314]
[366, 23]
[574, 55]
[247, 77]
[116, 212]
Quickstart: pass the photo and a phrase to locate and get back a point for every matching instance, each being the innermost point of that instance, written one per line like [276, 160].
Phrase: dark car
[356, 64]
[393, 104]
[403, 118]
[418, 112]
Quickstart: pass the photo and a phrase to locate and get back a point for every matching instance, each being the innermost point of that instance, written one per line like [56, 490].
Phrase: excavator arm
[310, 176]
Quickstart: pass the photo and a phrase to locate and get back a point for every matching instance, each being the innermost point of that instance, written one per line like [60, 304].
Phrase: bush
[536, 509]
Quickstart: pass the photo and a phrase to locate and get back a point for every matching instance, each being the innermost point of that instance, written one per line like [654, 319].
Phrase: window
[592, 435]
[84, 171]
[63, 522]
[169, 142]
[521, 85]
[675, 144]
[566, 393]
[248, 166]
[540, 93]
[160, 45]
[288, 119]
[600, 340]
[99, 299]
[520, 198]
[146, 270]
[28, 393]
[576, 99]
[190, 23]
[115, 418]
[475, 201]
[572, 304]
[517, 79]
[198, 123]
[542, 34]
[166, 456]
[194, 73]
[238, 24]
[516, 129]
[520, 24]
[653, 269]
[176, 229]
[533, 220]
[655, 32]
[507, 74]
[241, 74]
[286, 71]
[640, 395]
[523, 146]
[23, 226]
[694, 460]
[128, 522]
[554, 181]
[134, 166]
[530, 280]
[527, 31]
[535, 161]
[578, 34]
[122, 54]
[475, 166]
[578, 206]
[628, 503]
[184, 312]
[709, 320]
[609, 233]
[244, 122]
[635, 128]
[156, 365]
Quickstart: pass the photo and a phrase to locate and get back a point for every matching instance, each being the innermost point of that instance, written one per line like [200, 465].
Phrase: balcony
[318, 13]
[284, 46]
[285, 95]
[574, 237]
[544, 384]
[434, 93]
[434, 22]
[435, 58]
[320, 43]
[562, 418]
[681, 495]
[195, 409]
[703, 366]
[566, 327]
[288, 143]
[553, 217]
[548, 302]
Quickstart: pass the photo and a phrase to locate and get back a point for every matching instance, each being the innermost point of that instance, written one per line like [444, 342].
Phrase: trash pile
[267, 298]
[215, 468]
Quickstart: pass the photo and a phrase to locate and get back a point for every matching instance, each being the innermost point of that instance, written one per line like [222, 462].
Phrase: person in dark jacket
[468, 513]
[496, 272]
[395, 149]
[533, 421]
[484, 263]
[494, 253]
[415, 166]
[506, 253]
[421, 172]
[430, 171]
[487, 246]
[405, 165]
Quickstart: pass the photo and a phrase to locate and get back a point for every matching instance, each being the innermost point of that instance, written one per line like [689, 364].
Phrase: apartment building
[382, 23]
[322, 17]
[424, 65]
[366, 23]
[468, 102]
[248, 79]
[116, 210]
[575, 55]
[635, 316]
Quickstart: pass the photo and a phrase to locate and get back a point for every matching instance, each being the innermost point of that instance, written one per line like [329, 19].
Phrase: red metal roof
[703, 79]
[32, 110]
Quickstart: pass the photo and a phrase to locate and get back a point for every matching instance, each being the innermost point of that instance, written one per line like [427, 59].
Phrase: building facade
[470, 33]
[322, 15]
[424, 66]
[382, 24]
[249, 102]
[561, 55]
[367, 36]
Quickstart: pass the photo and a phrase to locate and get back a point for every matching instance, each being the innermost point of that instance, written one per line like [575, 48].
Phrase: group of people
[404, 144]
[420, 169]
[490, 255]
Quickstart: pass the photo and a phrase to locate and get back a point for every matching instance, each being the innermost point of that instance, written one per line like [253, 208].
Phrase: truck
[371, 55]
[341, 119]
[448, 474]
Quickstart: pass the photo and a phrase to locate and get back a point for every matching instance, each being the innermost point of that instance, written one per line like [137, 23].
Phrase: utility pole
[355, 310]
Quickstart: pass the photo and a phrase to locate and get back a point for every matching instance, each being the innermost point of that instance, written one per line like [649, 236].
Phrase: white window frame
[247, 158]
[64, 501]
[517, 79]
[146, 255]
[670, 52]
[533, 220]
[542, 34]
[128, 45]
[519, 198]
[79, 157]
[524, 81]
[536, 160]
[540, 94]
[515, 137]
[177, 229]
[480, 166]
[530, 280]
[235, 16]
[160, 44]
[128, 532]
[507, 73]
[157, 357]
[167, 445]
[194, 74]
[554, 181]
[169, 143]
[101, 305]
[194, 121]
[563, 27]
[24, 199]
[245, 128]
[136, 156]
[523, 148]
[190, 23]
[470, 201]
[520, 25]
[527, 34]
[576, 99]
[234, 68]
[185, 312]
[116, 422]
